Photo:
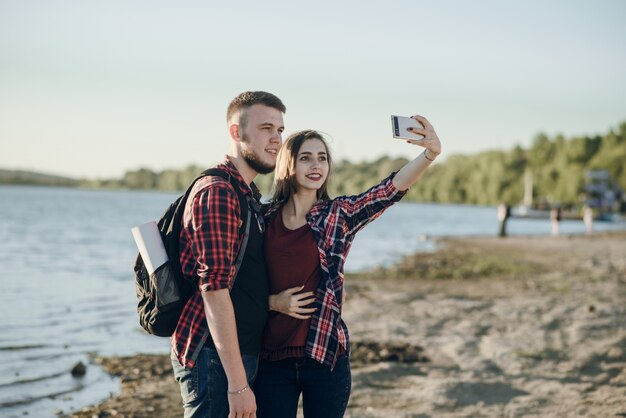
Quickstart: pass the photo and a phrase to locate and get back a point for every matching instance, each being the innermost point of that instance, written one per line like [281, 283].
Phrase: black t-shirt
[250, 292]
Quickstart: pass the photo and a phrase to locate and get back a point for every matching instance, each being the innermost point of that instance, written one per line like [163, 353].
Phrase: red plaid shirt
[209, 244]
[334, 223]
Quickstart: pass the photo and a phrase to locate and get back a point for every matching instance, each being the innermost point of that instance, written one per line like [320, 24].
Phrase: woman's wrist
[272, 302]
[429, 155]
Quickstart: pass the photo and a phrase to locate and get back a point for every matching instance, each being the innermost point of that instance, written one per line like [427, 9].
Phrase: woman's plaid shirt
[334, 223]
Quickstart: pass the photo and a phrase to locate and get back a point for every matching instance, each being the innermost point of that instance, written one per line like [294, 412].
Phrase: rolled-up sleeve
[359, 210]
[213, 228]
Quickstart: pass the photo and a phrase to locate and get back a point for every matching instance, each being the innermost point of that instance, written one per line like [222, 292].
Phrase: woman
[305, 347]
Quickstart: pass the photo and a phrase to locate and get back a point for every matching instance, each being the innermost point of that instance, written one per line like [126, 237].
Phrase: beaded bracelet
[240, 391]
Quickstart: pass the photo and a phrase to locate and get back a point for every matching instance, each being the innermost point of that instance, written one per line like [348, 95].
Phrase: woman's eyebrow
[310, 153]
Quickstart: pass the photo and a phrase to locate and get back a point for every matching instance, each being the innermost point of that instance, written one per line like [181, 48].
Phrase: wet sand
[484, 327]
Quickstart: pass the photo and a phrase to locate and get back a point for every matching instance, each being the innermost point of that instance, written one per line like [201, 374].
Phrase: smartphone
[399, 124]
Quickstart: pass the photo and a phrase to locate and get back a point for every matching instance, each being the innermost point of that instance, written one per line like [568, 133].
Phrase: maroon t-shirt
[292, 260]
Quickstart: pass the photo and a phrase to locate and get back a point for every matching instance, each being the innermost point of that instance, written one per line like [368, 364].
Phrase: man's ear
[233, 130]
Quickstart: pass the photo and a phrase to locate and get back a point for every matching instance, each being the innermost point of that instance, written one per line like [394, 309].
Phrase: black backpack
[163, 295]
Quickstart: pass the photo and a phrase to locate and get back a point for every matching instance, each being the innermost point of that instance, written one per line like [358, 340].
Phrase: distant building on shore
[603, 194]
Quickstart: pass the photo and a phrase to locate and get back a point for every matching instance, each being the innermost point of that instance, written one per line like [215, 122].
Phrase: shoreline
[515, 326]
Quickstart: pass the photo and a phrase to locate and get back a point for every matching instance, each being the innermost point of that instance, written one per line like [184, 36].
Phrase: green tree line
[557, 165]
[22, 177]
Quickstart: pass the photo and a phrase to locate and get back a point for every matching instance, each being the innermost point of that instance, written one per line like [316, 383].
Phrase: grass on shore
[459, 260]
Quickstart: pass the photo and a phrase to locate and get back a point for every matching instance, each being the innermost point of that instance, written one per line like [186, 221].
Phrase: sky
[93, 89]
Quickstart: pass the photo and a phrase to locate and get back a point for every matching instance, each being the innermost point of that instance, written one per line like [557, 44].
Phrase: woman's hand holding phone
[417, 130]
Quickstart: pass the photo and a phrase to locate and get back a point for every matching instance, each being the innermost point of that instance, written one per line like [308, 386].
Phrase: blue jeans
[204, 388]
[325, 393]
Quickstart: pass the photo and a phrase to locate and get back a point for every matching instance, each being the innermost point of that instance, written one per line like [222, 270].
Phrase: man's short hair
[251, 98]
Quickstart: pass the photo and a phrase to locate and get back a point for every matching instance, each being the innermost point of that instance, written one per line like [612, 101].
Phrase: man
[217, 340]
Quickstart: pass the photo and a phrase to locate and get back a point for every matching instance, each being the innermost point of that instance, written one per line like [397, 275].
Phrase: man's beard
[254, 161]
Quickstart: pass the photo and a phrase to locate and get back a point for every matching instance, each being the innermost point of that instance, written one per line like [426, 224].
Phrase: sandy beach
[483, 327]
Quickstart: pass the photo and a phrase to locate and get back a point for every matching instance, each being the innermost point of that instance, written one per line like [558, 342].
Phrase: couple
[273, 318]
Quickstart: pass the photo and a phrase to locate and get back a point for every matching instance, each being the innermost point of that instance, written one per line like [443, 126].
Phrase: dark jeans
[204, 388]
[325, 393]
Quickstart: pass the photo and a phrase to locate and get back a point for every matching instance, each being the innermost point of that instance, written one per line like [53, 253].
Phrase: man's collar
[232, 170]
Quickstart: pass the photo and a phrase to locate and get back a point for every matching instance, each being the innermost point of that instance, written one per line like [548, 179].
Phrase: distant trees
[146, 179]
[32, 178]
[557, 166]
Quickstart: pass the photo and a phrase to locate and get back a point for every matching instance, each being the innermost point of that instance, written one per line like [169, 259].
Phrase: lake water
[66, 260]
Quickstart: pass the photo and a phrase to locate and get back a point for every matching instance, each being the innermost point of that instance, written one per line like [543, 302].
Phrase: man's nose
[277, 137]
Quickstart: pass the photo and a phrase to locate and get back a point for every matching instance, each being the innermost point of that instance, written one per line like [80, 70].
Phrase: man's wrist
[239, 391]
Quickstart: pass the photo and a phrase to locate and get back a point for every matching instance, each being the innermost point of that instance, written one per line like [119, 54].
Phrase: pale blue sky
[94, 88]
